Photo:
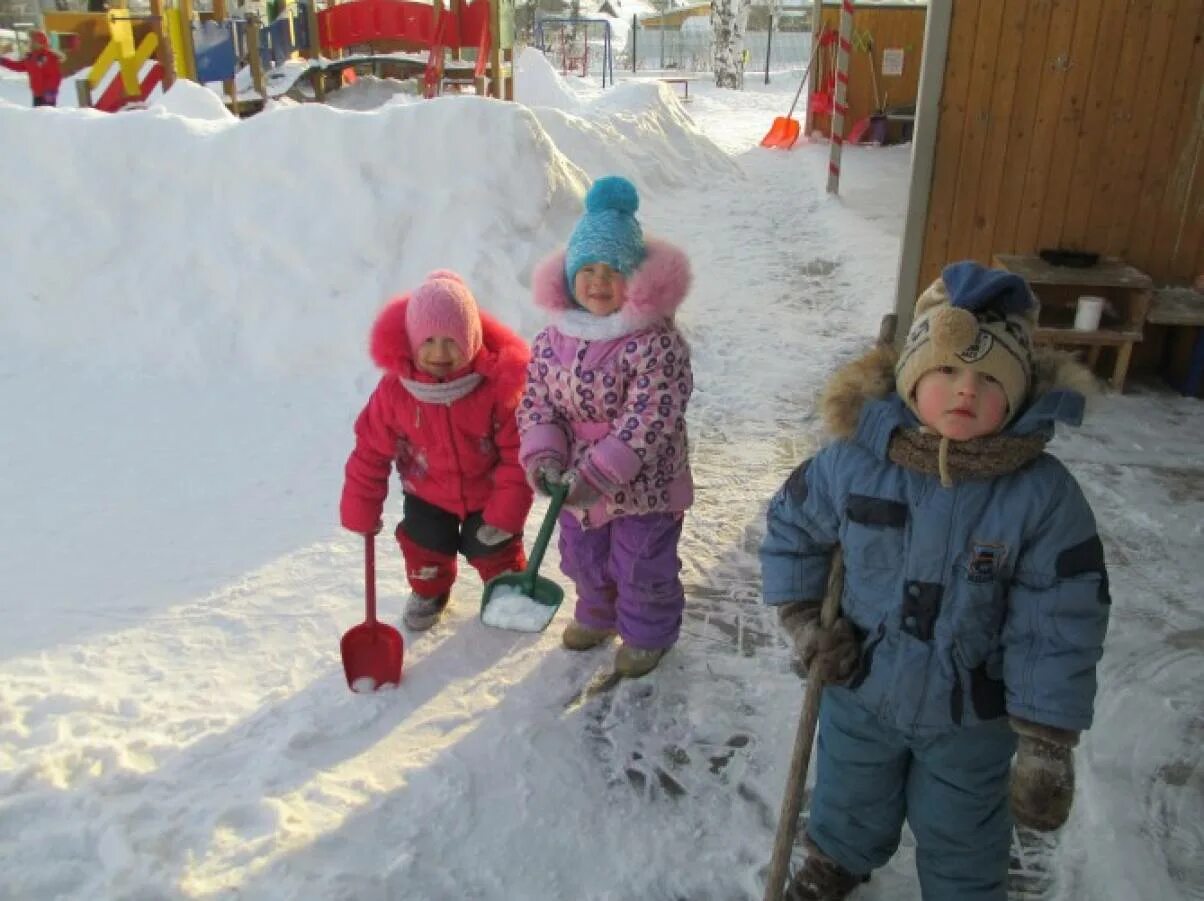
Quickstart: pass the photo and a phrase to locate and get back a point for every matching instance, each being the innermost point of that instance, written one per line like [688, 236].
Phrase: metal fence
[692, 49]
[689, 49]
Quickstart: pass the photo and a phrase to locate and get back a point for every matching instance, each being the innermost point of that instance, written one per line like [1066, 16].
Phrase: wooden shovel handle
[800, 758]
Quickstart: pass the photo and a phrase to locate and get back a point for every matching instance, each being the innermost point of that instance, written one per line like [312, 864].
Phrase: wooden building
[1058, 124]
[672, 19]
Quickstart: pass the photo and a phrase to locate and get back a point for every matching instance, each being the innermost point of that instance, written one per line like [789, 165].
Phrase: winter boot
[422, 613]
[580, 637]
[634, 662]
[822, 879]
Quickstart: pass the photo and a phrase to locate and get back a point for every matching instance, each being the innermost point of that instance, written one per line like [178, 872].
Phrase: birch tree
[727, 23]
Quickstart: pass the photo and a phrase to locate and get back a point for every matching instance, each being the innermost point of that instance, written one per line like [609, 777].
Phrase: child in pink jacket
[443, 417]
[605, 414]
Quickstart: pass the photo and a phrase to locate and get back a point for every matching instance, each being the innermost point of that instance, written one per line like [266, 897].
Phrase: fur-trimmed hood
[654, 291]
[502, 358]
[1060, 387]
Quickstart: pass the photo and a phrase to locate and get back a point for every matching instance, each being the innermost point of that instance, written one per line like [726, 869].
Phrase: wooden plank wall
[1071, 124]
[889, 27]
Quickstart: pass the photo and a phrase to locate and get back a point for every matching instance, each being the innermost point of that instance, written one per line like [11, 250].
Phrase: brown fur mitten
[836, 649]
[1042, 775]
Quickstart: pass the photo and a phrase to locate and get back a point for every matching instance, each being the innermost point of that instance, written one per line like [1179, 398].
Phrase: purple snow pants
[627, 576]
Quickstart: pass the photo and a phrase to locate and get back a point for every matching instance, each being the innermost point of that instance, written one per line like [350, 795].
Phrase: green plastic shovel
[526, 601]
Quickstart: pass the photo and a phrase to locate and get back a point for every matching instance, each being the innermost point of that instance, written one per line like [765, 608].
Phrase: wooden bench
[1182, 308]
[685, 82]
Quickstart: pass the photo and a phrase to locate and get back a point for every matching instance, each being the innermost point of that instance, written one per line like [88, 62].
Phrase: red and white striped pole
[840, 105]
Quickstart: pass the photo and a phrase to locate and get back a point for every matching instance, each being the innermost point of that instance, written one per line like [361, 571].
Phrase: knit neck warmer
[442, 392]
[956, 461]
[585, 326]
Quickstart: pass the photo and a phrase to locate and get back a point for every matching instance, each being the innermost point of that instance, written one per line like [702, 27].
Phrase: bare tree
[727, 22]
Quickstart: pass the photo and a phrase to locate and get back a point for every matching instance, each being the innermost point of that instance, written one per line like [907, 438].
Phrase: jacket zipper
[451, 440]
[944, 575]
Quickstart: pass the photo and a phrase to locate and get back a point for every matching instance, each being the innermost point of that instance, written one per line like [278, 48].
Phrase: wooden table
[1126, 290]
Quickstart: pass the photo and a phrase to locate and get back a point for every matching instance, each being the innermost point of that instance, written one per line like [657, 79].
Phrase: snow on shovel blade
[526, 601]
[508, 606]
[372, 653]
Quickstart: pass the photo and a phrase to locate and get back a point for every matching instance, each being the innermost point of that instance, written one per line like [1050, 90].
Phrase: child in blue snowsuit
[975, 597]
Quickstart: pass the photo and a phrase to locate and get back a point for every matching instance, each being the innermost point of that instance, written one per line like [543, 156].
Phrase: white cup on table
[1088, 312]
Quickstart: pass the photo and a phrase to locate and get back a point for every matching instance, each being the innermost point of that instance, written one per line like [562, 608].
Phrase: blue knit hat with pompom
[608, 231]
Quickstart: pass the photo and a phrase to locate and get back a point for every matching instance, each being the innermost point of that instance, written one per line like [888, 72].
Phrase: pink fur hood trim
[503, 355]
[654, 291]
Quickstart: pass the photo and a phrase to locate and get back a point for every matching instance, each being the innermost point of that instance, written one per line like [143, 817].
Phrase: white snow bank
[369, 92]
[536, 83]
[640, 131]
[272, 242]
[192, 101]
[269, 243]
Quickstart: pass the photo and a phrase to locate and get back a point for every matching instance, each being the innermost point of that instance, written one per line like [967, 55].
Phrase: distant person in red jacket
[41, 66]
[444, 415]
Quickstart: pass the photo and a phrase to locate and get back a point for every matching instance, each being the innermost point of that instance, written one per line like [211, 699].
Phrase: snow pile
[637, 129]
[640, 131]
[269, 243]
[369, 92]
[304, 215]
[536, 83]
[192, 101]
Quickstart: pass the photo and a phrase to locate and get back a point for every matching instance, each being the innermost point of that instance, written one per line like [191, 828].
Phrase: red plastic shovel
[372, 650]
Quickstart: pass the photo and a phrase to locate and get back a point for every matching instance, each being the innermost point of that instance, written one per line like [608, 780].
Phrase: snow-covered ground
[182, 331]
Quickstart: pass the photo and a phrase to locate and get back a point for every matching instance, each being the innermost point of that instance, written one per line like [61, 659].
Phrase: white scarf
[442, 392]
[586, 326]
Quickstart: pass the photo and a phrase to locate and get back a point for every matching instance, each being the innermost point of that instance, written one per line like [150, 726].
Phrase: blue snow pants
[953, 789]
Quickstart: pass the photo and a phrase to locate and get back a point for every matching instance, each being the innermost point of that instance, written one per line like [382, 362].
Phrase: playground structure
[567, 39]
[127, 56]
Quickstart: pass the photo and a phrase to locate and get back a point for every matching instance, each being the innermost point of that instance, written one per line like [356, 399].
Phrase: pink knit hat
[442, 305]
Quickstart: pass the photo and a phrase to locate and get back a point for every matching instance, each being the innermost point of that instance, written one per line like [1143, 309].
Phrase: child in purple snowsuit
[605, 414]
